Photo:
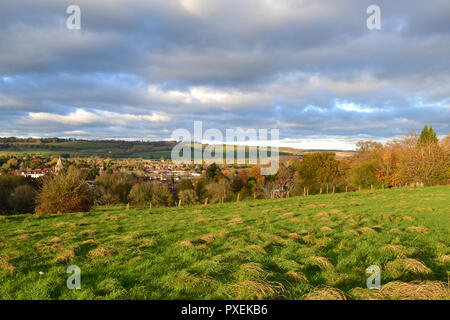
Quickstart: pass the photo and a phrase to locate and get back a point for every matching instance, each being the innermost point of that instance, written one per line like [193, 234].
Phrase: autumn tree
[424, 160]
[218, 191]
[66, 192]
[285, 177]
[319, 169]
[367, 146]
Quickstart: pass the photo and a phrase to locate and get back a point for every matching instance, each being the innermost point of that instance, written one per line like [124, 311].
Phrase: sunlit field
[315, 247]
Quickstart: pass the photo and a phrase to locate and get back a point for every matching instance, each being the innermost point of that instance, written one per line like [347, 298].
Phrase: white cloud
[83, 117]
[76, 133]
[350, 106]
[203, 95]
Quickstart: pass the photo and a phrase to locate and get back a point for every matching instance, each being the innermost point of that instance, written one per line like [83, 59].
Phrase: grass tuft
[6, 265]
[415, 290]
[101, 252]
[325, 293]
[406, 266]
[258, 289]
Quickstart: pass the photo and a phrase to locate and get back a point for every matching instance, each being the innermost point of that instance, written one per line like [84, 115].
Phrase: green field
[315, 247]
[85, 148]
[104, 148]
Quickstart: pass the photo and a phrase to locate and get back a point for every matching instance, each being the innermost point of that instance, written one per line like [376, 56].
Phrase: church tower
[59, 166]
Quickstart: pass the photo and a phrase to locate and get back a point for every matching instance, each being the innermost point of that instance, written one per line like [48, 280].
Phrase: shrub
[188, 197]
[252, 189]
[185, 184]
[113, 188]
[67, 192]
[9, 194]
[155, 193]
[161, 195]
[237, 184]
[219, 191]
[141, 193]
[200, 188]
[22, 199]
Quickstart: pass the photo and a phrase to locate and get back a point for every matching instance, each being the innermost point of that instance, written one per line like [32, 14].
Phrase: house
[37, 173]
[32, 174]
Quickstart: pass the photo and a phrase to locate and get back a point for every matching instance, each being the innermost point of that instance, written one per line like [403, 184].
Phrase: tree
[161, 195]
[364, 175]
[212, 172]
[255, 172]
[318, 169]
[285, 177]
[237, 184]
[427, 136]
[11, 190]
[155, 193]
[425, 161]
[66, 192]
[387, 159]
[252, 189]
[93, 173]
[185, 184]
[113, 188]
[367, 146]
[445, 142]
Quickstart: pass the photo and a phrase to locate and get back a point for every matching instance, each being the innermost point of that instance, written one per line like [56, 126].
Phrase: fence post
[334, 188]
[327, 188]
[346, 189]
[179, 203]
[206, 201]
[304, 191]
[238, 197]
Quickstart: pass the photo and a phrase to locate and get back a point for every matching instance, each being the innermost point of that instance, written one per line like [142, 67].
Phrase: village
[161, 170]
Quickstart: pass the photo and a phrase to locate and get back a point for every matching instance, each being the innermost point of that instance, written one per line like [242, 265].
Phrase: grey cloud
[228, 63]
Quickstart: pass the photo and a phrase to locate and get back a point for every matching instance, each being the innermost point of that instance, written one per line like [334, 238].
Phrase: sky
[139, 69]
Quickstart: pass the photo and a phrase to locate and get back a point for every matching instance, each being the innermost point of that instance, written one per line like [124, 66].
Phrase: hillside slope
[298, 248]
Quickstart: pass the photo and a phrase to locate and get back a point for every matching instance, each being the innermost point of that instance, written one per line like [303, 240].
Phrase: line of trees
[414, 159]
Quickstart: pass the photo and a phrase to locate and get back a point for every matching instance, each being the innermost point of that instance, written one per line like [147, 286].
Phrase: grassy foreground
[315, 247]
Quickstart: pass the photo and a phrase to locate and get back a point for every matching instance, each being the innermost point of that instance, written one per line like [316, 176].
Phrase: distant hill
[103, 148]
[86, 148]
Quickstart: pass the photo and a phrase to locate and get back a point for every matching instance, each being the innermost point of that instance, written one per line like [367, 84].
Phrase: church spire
[59, 166]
